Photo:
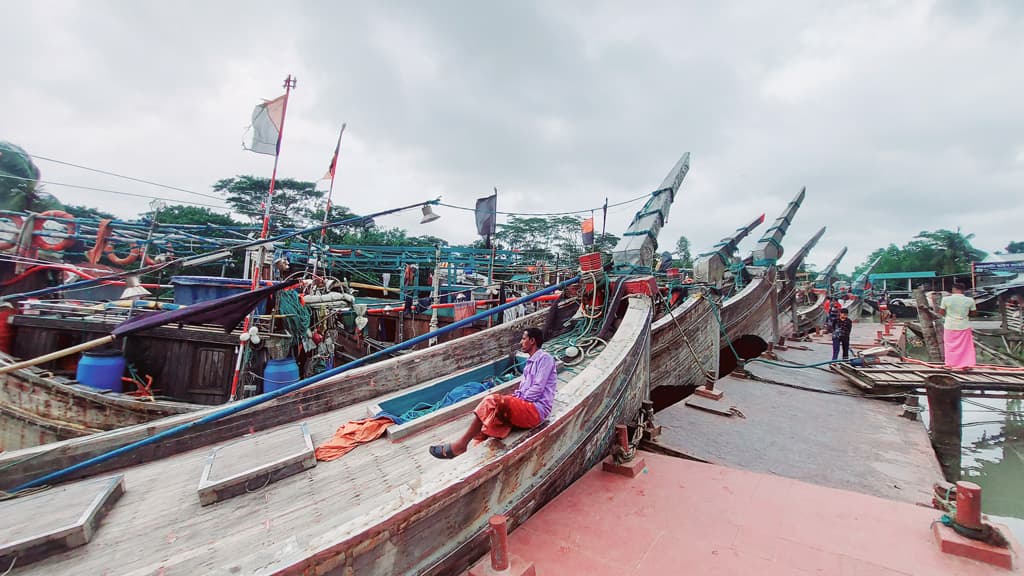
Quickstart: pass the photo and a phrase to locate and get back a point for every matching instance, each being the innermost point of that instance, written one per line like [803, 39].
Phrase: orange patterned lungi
[500, 413]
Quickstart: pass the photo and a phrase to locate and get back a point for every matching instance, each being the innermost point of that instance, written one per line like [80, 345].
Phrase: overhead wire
[584, 211]
[115, 174]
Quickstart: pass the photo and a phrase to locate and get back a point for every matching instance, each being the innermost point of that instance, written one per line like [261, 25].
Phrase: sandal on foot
[444, 451]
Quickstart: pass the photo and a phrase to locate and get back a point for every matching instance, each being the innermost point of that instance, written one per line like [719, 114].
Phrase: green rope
[296, 315]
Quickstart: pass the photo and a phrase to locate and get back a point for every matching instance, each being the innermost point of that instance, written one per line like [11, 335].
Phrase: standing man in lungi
[528, 406]
[957, 337]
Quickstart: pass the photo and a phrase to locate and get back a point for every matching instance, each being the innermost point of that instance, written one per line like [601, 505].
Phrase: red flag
[588, 231]
[333, 166]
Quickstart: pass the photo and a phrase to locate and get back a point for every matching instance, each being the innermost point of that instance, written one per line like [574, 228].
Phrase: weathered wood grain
[385, 508]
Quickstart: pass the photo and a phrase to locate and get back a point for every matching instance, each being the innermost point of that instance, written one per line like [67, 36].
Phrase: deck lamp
[428, 215]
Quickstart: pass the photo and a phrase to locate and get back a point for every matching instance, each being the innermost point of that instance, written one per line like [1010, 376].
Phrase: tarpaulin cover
[350, 435]
[226, 312]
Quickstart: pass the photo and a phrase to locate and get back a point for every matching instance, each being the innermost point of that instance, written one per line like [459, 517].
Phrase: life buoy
[15, 221]
[148, 260]
[132, 256]
[40, 241]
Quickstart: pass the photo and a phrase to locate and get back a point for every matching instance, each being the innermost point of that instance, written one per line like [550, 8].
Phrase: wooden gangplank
[911, 376]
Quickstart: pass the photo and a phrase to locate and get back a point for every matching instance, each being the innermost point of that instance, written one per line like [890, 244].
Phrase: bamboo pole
[58, 354]
[374, 287]
[926, 317]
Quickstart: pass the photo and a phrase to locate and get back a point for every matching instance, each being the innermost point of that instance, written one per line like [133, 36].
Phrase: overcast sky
[897, 116]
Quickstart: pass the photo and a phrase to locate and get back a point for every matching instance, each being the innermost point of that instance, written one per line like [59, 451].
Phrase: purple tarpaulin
[226, 312]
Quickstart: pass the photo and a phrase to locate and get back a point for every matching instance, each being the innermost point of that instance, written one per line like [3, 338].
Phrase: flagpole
[490, 243]
[330, 191]
[289, 83]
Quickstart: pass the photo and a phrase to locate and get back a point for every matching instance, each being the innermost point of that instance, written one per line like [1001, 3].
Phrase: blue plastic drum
[280, 373]
[101, 369]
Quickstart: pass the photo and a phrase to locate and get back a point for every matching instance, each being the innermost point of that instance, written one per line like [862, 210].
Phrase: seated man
[527, 407]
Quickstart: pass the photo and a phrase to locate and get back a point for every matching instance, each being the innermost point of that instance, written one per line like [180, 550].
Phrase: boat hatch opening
[55, 520]
[502, 372]
[254, 461]
[747, 346]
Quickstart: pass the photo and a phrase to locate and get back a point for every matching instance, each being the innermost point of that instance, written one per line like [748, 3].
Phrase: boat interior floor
[160, 523]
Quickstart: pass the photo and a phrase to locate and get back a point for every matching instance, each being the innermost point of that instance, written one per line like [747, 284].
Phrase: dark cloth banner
[226, 312]
[486, 215]
[588, 231]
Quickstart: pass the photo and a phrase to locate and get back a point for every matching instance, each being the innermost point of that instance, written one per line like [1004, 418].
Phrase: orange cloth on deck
[351, 435]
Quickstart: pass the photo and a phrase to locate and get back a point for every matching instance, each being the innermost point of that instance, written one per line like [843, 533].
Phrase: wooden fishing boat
[812, 316]
[357, 385]
[789, 319]
[687, 341]
[385, 508]
[37, 407]
[187, 368]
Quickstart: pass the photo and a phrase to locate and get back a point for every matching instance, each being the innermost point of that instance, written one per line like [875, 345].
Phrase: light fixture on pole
[428, 215]
[133, 290]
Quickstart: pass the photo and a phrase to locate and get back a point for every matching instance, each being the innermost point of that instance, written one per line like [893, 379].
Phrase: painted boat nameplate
[255, 461]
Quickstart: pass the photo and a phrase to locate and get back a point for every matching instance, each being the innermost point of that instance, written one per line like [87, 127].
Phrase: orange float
[40, 241]
[17, 222]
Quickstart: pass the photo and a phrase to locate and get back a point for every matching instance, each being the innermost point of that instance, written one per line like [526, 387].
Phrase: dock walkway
[811, 482]
[843, 440]
[682, 517]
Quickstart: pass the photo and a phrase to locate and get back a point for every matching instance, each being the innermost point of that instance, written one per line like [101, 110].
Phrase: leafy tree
[951, 251]
[683, 255]
[605, 243]
[20, 189]
[82, 211]
[1015, 247]
[941, 251]
[195, 215]
[553, 238]
[295, 202]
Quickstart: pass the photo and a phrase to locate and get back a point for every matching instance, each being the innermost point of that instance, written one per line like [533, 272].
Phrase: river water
[992, 455]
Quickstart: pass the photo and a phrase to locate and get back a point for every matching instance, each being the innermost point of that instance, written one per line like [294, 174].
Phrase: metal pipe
[968, 505]
[499, 542]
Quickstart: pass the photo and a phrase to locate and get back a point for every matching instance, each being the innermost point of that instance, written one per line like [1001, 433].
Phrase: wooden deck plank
[160, 526]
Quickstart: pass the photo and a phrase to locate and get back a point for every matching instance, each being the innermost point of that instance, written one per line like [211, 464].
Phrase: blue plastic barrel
[280, 373]
[101, 369]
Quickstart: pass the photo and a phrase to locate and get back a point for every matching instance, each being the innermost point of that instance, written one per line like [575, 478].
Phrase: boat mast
[710, 267]
[289, 83]
[769, 247]
[824, 279]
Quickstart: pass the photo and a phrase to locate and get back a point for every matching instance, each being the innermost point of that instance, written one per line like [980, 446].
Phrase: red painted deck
[683, 517]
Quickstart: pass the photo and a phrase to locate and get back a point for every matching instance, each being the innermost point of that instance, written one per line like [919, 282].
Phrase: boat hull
[812, 317]
[754, 310]
[446, 532]
[38, 408]
[684, 351]
[336, 392]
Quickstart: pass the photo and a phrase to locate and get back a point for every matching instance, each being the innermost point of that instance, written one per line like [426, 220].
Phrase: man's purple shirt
[539, 382]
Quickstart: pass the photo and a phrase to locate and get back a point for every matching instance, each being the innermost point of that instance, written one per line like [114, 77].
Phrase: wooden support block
[628, 469]
[952, 543]
[516, 567]
[712, 406]
[711, 394]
